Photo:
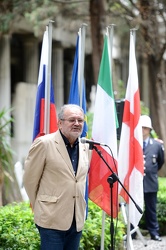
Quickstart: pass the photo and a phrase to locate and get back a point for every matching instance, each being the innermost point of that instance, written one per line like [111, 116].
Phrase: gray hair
[66, 106]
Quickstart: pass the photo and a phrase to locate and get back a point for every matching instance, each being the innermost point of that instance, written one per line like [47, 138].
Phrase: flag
[130, 157]
[39, 117]
[77, 96]
[77, 93]
[104, 130]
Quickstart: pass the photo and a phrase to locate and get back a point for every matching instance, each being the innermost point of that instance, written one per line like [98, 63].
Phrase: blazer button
[74, 197]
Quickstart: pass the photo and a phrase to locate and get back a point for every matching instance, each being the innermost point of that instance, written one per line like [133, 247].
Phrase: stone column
[57, 75]
[24, 107]
[31, 60]
[5, 83]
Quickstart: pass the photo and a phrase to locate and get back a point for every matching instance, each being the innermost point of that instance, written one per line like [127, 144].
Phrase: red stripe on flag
[135, 149]
[53, 119]
[99, 188]
[42, 103]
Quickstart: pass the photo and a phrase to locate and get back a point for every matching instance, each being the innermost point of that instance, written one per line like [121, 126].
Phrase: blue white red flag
[39, 117]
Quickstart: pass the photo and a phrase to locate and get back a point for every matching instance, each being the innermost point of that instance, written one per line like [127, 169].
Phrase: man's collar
[67, 141]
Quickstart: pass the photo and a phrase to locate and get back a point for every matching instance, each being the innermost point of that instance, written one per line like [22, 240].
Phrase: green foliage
[39, 12]
[144, 109]
[11, 191]
[17, 229]
[89, 122]
[121, 90]
[6, 152]
[93, 229]
[161, 211]
[162, 190]
[10, 11]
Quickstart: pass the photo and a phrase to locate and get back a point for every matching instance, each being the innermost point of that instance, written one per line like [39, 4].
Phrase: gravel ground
[151, 244]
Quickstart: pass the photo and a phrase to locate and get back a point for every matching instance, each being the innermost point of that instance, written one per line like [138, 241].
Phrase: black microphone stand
[111, 180]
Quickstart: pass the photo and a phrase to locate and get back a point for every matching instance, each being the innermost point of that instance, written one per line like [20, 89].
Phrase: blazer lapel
[61, 147]
[81, 161]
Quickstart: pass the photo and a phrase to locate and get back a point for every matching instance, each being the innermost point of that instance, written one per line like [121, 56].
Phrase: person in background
[153, 151]
[55, 181]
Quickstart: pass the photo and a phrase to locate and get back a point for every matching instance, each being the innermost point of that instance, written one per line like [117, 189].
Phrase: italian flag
[130, 158]
[104, 131]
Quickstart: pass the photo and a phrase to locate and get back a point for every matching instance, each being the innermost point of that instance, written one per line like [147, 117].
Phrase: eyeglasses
[73, 120]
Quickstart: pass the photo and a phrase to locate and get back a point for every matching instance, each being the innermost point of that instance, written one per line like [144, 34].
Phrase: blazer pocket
[47, 198]
[46, 209]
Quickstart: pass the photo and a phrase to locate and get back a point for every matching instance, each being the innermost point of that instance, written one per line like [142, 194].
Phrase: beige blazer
[51, 185]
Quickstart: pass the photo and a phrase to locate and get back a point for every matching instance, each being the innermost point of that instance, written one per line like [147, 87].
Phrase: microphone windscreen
[83, 140]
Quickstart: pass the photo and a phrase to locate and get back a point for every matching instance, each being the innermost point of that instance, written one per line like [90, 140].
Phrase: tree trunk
[97, 17]
[154, 48]
[158, 102]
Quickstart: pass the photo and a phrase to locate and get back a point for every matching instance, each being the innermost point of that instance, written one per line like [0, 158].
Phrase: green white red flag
[104, 131]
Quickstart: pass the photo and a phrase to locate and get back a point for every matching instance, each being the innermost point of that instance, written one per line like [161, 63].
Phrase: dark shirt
[72, 151]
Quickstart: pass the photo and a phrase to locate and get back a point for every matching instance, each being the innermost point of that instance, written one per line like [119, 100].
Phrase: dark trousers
[150, 213]
[52, 239]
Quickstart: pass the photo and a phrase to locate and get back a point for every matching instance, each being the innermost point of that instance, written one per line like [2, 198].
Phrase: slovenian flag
[39, 117]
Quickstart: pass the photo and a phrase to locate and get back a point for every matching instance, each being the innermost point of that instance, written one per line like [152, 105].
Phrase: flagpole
[103, 230]
[109, 33]
[133, 32]
[48, 81]
[129, 240]
[81, 59]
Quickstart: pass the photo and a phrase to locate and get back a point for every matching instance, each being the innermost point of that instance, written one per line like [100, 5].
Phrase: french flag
[39, 117]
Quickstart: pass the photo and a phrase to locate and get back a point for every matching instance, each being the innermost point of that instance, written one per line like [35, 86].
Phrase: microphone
[91, 142]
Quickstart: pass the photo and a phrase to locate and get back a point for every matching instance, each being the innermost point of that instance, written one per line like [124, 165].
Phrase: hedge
[18, 231]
